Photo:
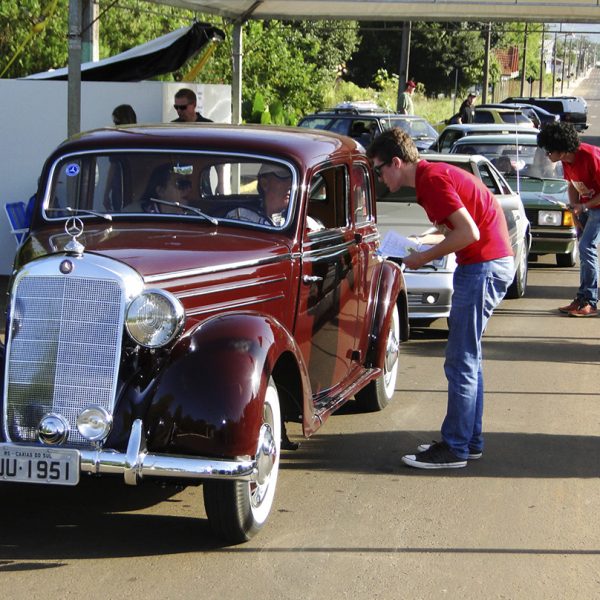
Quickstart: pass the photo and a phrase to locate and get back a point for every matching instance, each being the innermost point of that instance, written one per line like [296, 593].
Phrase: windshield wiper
[187, 207]
[81, 210]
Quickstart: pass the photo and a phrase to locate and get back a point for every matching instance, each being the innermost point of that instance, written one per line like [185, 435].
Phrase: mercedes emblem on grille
[74, 228]
[66, 267]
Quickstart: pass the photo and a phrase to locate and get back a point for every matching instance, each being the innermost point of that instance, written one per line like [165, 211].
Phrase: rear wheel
[378, 393]
[518, 287]
[237, 510]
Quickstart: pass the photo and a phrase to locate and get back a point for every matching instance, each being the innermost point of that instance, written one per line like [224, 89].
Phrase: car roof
[491, 127]
[505, 108]
[302, 145]
[525, 138]
[453, 158]
[345, 112]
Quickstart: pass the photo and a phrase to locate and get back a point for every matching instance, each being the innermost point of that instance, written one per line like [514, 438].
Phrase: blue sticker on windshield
[72, 170]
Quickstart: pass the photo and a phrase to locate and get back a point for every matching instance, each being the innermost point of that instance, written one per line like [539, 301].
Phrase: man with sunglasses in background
[473, 226]
[581, 168]
[185, 105]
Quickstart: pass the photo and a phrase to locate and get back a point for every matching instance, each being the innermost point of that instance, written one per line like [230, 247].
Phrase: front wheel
[237, 510]
[378, 393]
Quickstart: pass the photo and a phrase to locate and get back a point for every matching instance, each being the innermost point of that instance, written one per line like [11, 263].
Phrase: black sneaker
[437, 456]
[473, 454]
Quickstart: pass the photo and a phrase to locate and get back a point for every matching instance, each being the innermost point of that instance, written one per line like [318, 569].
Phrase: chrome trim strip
[136, 463]
[227, 288]
[234, 305]
[216, 269]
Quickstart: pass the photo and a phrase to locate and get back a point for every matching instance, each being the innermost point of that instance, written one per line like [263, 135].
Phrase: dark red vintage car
[185, 291]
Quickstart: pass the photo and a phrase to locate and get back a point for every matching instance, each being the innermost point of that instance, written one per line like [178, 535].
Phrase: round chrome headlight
[154, 318]
[94, 423]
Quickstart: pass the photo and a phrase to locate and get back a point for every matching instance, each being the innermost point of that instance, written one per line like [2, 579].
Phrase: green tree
[437, 50]
[291, 64]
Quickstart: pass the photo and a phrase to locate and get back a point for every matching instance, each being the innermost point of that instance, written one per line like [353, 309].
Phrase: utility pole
[524, 62]
[74, 73]
[486, 64]
[542, 63]
[554, 63]
[404, 61]
[90, 50]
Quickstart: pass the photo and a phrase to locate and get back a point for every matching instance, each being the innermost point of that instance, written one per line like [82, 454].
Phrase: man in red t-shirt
[581, 166]
[473, 226]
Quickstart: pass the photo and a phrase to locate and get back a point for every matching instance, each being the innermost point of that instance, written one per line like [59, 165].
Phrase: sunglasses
[183, 184]
[180, 106]
[377, 168]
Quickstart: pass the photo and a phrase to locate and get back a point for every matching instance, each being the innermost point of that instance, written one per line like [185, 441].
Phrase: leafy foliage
[292, 65]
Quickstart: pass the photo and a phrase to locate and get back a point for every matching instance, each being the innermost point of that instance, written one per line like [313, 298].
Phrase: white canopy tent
[557, 11]
[239, 11]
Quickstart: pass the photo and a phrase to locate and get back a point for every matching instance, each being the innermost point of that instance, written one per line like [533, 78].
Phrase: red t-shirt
[442, 189]
[584, 172]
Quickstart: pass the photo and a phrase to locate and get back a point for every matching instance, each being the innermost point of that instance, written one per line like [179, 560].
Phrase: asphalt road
[350, 521]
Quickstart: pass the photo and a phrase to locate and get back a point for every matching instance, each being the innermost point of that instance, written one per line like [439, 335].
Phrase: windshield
[525, 159]
[250, 189]
[416, 128]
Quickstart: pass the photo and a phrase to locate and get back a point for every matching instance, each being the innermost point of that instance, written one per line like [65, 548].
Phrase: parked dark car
[363, 124]
[164, 324]
[541, 186]
[572, 109]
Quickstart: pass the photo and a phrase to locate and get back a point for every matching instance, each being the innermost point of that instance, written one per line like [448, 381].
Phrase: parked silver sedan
[430, 287]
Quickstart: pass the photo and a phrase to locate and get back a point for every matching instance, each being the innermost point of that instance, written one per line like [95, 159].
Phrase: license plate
[29, 464]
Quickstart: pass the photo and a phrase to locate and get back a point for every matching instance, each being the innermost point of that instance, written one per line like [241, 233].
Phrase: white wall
[33, 121]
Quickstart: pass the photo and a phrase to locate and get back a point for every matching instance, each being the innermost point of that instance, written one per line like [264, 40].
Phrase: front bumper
[545, 240]
[136, 464]
[429, 294]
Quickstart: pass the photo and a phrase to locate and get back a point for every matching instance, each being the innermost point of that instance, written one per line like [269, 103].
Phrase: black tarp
[162, 55]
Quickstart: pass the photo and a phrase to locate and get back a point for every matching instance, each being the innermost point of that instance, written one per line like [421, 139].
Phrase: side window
[327, 200]
[483, 117]
[361, 194]
[361, 131]
[489, 180]
[447, 140]
[341, 126]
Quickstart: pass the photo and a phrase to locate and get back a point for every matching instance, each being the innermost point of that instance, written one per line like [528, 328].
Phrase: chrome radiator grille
[64, 350]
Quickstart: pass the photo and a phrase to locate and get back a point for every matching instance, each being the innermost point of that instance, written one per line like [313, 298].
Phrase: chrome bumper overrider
[136, 463]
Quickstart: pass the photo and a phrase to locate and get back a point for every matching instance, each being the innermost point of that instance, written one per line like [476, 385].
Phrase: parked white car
[430, 287]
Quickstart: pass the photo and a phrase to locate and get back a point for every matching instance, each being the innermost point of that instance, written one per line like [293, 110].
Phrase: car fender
[209, 397]
[390, 290]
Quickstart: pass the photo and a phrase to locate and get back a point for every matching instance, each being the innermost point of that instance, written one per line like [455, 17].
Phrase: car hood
[168, 249]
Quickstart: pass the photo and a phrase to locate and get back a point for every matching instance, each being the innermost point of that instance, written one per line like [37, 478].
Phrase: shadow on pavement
[508, 455]
[92, 521]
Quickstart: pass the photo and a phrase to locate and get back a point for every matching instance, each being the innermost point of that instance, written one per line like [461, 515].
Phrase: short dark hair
[558, 137]
[188, 94]
[394, 142]
[124, 115]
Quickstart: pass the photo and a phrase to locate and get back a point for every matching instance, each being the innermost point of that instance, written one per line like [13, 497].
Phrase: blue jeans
[588, 259]
[478, 289]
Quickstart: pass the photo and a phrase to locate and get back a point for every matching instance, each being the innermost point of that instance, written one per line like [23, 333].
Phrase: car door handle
[311, 278]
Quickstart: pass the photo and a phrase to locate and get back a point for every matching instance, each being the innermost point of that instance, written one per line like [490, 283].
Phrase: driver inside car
[274, 185]
[168, 186]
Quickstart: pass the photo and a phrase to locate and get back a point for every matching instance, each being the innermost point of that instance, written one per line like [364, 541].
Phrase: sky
[590, 30]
